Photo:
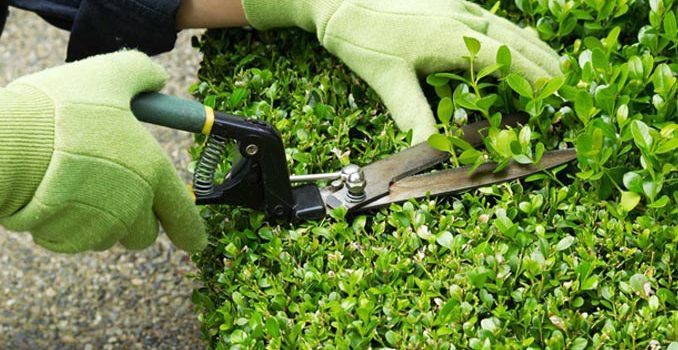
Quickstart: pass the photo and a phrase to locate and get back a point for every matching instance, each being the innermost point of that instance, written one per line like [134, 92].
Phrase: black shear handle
[260, 179]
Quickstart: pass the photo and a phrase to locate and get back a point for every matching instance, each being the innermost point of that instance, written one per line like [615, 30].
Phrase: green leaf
[651, 188]
[660, 203]
[641, 134]
[478, 276]
[495, 120]
[590, 283]
[670, 27]
[504, 59]
[579, 344]
[648, 62]
[629, 200]
[437, 80]
[479, 161]
[565, 243]
[633, 182]
[501, 142]
[516, 147]
[538, 152]
[635, 68]
[519, 85]
[238, 336]
[604, 188]
[502, 165]
[667, 146]
[599, 59]
[210, 101]
[470, 156]
[568, 92]
[443, 91]
[440, 142]
[525, 136]
[522, 159]
[589, 145]
[657, 6]
[231, 249]
[237, 96]
[637, 282]
[467, 100]
[606, 97]
[663, 79]
[649, 37]
[488, 70]
[551, 87]
[359, 223]
[452, 76]
[272, 327]
[505, 225]
[392, 338]
[536, 177]
[583, 106]
[446, 239]
[545, 27]
[668, 130]
[459, 142]
[610, 41]
[593, 43]
[445, 110]
[486, 102]
[472, 44]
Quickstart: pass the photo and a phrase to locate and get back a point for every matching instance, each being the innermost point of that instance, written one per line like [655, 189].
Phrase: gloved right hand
[77, 169]
[391, 43]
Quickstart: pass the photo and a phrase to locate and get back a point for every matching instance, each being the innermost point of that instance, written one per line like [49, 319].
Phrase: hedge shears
[259, 178]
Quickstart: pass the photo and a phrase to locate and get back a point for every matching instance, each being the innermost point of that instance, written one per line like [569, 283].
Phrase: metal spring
[203, 177]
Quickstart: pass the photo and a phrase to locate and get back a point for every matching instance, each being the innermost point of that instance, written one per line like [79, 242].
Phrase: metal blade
[381, 174]
[458, 179]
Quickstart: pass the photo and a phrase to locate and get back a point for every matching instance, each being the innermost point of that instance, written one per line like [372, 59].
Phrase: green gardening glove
[76, 168]
[389, 43]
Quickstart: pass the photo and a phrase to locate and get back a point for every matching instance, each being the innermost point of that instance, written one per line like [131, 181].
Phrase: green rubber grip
[172, 112]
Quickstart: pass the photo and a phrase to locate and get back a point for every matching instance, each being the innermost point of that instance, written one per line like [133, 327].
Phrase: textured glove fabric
[78, 171]
[391, 43]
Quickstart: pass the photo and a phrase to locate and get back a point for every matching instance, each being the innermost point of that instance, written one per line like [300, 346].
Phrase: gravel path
[112, 300]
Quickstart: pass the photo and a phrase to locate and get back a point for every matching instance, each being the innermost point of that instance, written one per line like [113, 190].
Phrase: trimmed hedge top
[582, 258]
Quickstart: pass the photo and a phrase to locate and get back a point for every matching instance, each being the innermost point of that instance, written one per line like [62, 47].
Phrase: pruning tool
[259, 179]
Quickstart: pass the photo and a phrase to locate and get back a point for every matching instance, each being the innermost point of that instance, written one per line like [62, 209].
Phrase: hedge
[582, 257]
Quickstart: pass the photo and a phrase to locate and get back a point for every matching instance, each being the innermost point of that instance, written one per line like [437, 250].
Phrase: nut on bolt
[337, 184]
[251, 149]
[279, 210]
[354, 180]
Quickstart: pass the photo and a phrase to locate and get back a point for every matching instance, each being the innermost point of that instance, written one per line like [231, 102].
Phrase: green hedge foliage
[582, 257]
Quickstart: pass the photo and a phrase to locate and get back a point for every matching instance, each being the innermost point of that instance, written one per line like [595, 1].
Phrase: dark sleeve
[3, 14]
[102, 26]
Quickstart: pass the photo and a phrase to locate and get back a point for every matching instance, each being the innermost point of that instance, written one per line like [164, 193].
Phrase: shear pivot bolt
[251, 149]
[354, 179]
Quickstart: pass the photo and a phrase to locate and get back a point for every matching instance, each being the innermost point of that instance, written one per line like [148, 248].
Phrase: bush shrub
[583, 257]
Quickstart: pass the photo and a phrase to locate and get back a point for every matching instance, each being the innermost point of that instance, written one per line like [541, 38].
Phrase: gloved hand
[77, 169]
[389, 42]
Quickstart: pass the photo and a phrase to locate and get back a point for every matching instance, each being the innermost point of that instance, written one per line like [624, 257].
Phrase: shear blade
[381, 174]
[458, 179]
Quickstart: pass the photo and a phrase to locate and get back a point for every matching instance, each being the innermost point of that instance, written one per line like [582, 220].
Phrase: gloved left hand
[77, 169]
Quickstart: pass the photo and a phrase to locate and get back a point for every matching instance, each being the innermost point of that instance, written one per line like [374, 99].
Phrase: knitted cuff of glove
[26, 145]
[309, 15]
